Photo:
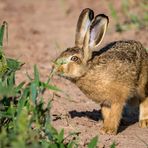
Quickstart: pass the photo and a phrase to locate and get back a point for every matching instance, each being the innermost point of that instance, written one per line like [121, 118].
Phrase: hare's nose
[57, 69]
[60, 69]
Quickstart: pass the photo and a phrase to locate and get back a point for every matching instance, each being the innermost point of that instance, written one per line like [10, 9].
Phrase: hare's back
[121, 60]
[121, 50]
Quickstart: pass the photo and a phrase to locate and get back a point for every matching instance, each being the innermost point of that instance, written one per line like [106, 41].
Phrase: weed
[24, 117]
[131, 20]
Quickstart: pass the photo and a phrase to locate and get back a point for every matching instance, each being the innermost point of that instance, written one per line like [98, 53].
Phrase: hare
[111, 75]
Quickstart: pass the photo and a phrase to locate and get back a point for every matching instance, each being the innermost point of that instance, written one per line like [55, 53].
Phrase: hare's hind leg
[143, 117]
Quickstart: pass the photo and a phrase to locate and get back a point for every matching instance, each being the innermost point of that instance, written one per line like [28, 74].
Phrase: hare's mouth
[64, 76]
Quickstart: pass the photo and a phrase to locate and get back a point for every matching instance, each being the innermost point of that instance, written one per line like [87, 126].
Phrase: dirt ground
[41, 30]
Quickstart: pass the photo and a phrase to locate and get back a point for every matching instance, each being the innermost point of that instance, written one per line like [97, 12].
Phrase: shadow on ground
[93, 115]
[129, 116]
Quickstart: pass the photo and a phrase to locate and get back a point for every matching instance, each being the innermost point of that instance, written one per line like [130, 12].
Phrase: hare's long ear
[83, 24]
[95, 35]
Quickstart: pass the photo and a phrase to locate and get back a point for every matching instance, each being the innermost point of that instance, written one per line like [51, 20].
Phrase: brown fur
[111, 76]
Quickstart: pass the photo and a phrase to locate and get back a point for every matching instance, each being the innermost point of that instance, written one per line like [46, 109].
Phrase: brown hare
[111, 75]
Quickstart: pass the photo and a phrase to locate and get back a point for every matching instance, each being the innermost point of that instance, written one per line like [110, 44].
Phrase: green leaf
[93, 142]
[53, 146]
[2, 29]
[113, 145]
[71, 144]
[20, 106]
[113, 11]
[13, 64]
[33, 90]
[44, 144]
[8, 91]
[26, 93]
[62, 145]
[51, 131]
[36, 75]
[4, 114]
[60, 137]
[20, 86]
[11, 79]
[3, 62]
[51, 87]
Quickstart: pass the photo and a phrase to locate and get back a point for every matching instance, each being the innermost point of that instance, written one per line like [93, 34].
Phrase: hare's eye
[74, 58]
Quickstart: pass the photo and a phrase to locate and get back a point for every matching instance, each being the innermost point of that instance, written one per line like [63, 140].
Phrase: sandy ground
[41, 30]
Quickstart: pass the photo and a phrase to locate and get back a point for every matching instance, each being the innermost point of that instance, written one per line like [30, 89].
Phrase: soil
[38, 32]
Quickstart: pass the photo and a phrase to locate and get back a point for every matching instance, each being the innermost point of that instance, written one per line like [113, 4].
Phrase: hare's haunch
[111, 75]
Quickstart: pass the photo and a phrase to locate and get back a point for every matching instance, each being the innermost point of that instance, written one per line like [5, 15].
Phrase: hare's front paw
[108, 130]
[143, 123]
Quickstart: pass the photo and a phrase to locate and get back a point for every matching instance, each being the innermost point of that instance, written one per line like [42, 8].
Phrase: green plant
[3, 61]
[113, 11]
[131, 20]
[113, 145]
[24, 117]
[93, 142]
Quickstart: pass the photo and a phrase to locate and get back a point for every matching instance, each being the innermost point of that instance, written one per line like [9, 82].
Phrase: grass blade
[36, 75]
[2, 29]
[33, 90]
[93, 142]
